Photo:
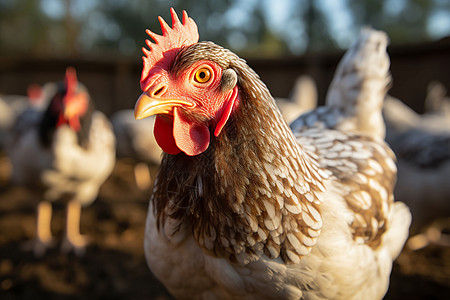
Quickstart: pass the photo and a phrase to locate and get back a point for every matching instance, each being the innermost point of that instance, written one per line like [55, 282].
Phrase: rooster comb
[182, 34]
[70, 80]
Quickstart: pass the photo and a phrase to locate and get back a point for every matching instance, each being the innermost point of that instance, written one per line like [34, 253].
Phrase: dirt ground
[114, 265]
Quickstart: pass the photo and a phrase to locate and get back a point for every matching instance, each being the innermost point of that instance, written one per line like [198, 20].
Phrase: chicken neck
[253, 190]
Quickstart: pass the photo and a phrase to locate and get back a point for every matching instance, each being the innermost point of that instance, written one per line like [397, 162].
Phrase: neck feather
[254, 191]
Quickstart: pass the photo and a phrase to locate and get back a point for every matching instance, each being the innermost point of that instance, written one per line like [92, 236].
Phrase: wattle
[163, 132]
[73, 122]
[180, 134]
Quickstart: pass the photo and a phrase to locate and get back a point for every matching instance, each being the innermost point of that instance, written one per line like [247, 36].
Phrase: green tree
[117, 27]
[404, 21]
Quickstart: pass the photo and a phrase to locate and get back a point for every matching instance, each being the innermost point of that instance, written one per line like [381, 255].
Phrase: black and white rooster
[64, 153]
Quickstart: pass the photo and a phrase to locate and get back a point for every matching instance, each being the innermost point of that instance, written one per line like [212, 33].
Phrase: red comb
[180, 35]
[71, 81]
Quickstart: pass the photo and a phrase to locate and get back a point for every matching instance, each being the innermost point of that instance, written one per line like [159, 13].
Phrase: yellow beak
[147, 106]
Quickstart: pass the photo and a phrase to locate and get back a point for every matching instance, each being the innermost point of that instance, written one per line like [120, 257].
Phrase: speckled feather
[367, 171]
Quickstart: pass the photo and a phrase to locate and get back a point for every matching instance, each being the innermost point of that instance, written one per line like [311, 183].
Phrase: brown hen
[244, 207]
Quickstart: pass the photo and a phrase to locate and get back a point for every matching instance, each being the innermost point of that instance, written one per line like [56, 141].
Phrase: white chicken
[303, 98]
[135, 140]
[422, 146]
[64, 153]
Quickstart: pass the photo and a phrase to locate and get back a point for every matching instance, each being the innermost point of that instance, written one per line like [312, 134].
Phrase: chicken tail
[360, 84]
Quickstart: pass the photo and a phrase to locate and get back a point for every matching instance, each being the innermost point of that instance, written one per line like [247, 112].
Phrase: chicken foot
[73, 240]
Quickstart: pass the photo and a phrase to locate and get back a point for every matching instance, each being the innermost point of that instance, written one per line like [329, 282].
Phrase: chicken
[12, 106]
[422, 146]
[437, 102]
[64, 154]
[303, 98]
[245, 208]
[136, 141]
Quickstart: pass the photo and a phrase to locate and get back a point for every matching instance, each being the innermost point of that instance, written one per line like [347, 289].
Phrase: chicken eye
[202, 75]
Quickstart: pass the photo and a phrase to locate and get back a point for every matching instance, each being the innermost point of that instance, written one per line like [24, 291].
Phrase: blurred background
[281, 40]
[79, 28]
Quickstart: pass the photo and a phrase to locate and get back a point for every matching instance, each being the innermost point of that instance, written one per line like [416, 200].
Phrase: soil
[114, 266]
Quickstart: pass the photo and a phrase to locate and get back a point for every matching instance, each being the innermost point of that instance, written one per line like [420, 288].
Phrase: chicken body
[65, 168]
[135, 140]
[263, 212]
[56, 162]
[336, 268]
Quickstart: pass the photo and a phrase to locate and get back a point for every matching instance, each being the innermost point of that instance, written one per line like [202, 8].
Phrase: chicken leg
[43, 239]
[73, 240]
[142, 176]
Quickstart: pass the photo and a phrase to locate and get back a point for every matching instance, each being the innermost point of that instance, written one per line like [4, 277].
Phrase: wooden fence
[114, 82]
